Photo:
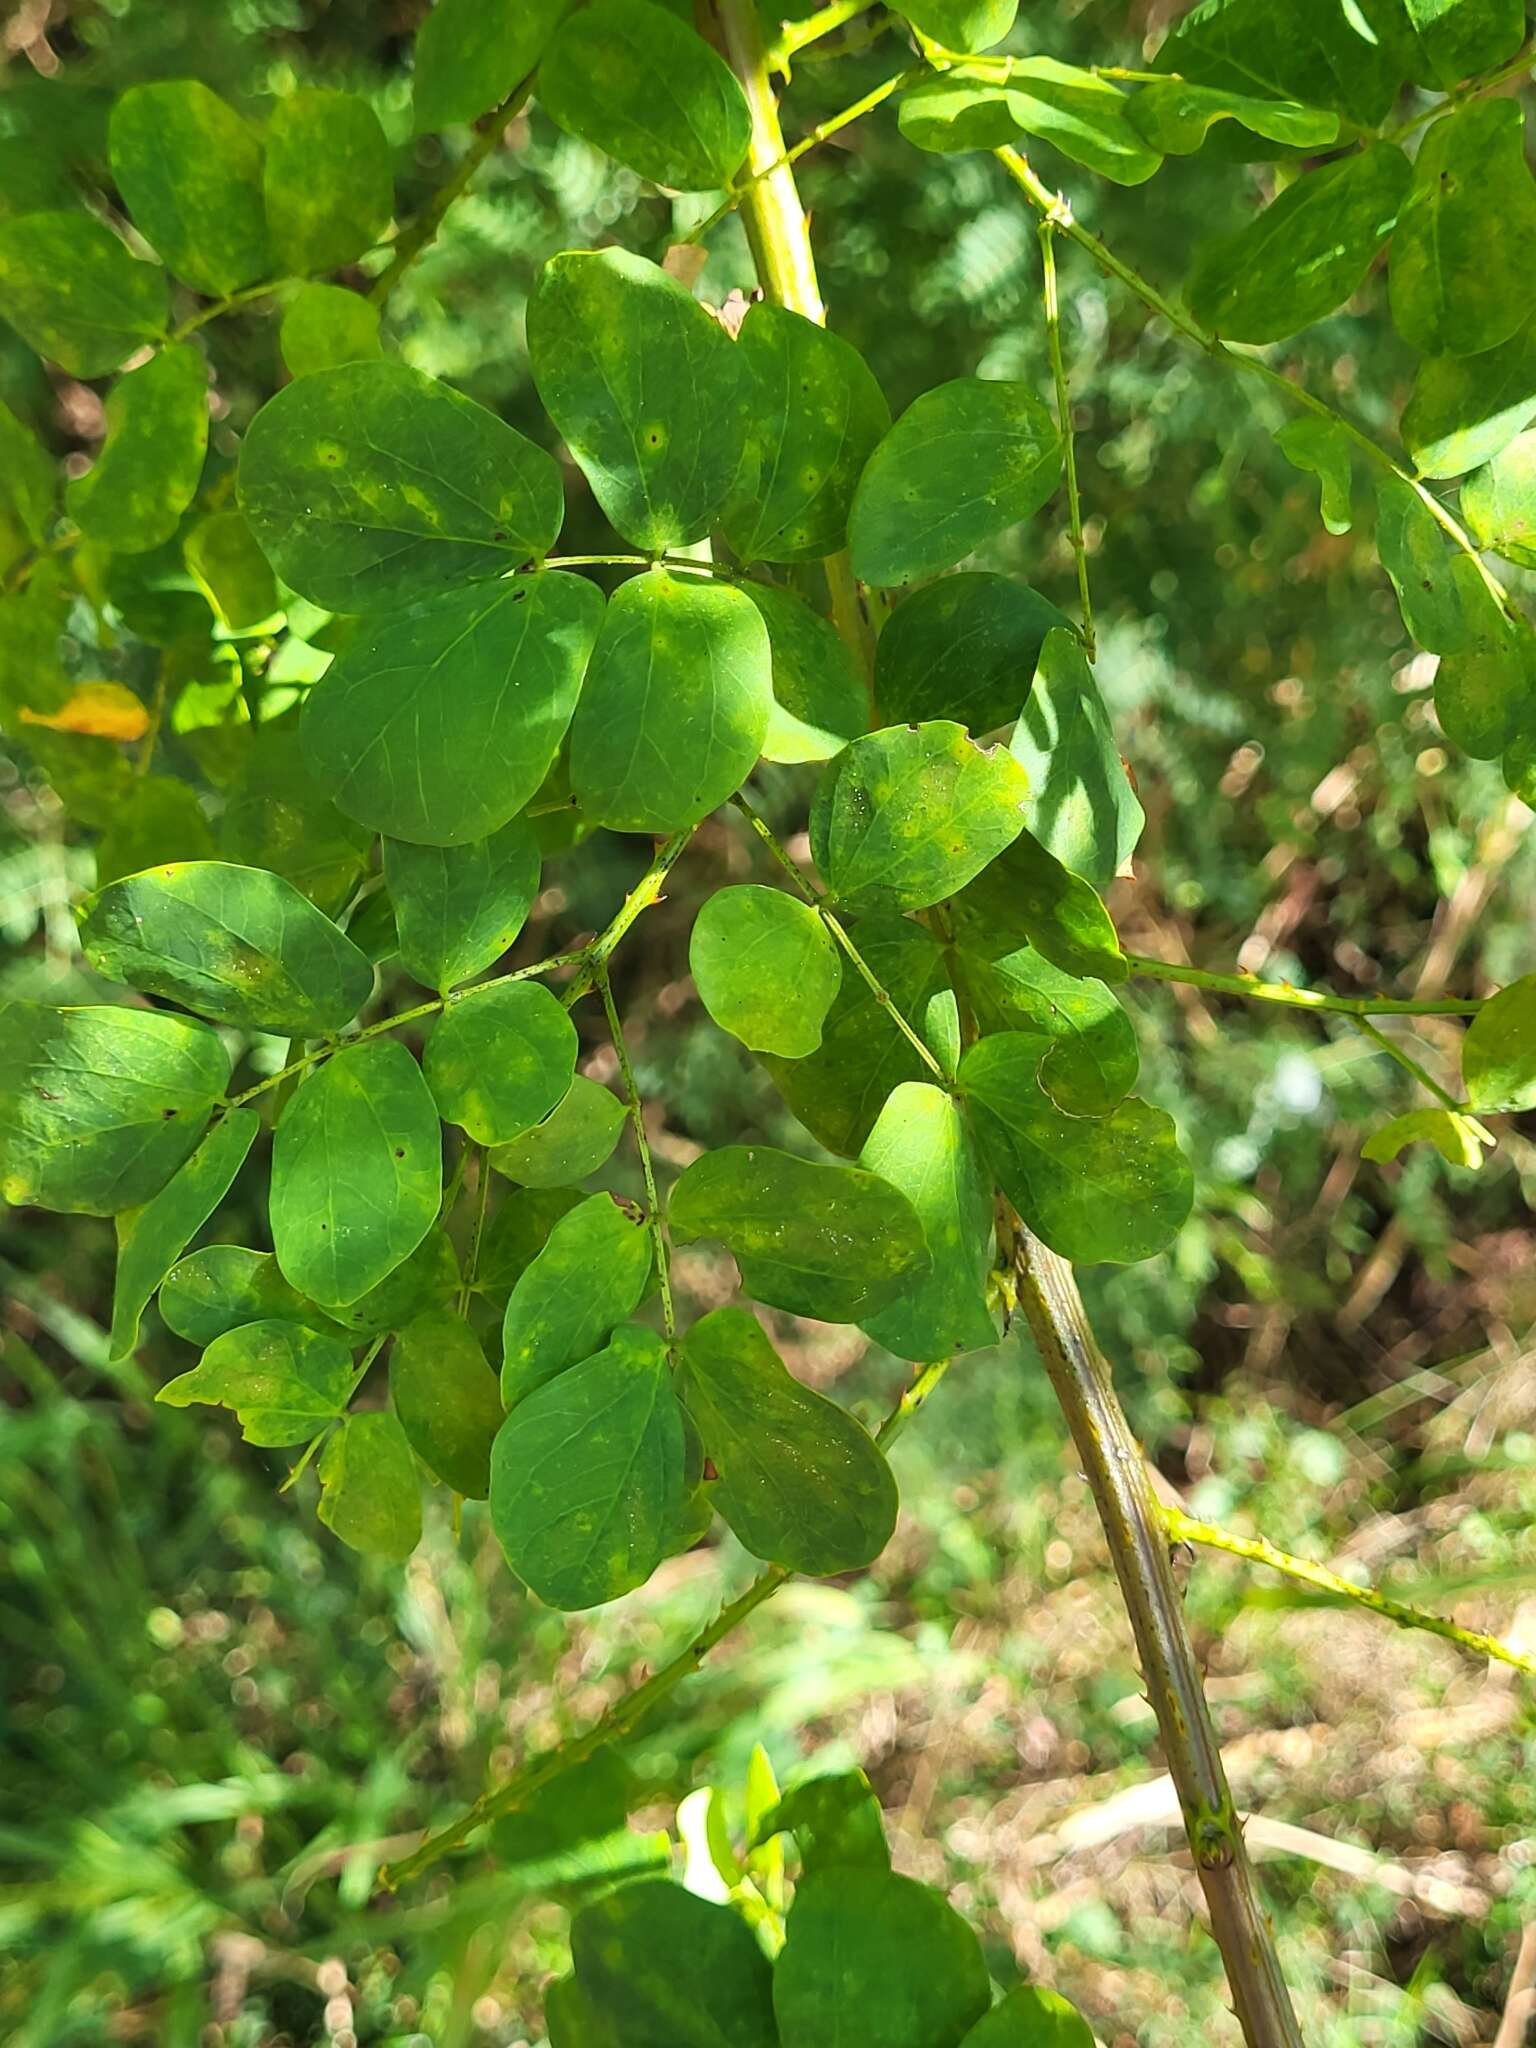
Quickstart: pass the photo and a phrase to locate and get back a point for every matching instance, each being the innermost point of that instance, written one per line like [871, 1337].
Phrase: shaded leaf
[278, 816]
[1463, 410]
[369, 1493]
[500, 1058]
[1176, 117]
[282, 1381]
[224, 1287]
[921, 1144]
[586, 1472]
[324, 326]
[1030, 2017]
[766, 968]
[573, 1140]
[151, 1239]
[834, 1819]
[519, 1231]
[1322, 448]
[1485, 691]
[1452, 39]
[28, 490]
[1080, 805]
[1317, 51]
[656, 1965]
[819, 698]
[962, 648]
[458, 908]
[445, 1396]
[329, 185]
[189, 170]
[231, 570]
[72, 291]
[590, 1273]
[1091, 1062]
[356, 1172]
[1418, 559]
[800, 1481]
[148, 470]
[1459, 280]
[471, 53]
[429, 1278]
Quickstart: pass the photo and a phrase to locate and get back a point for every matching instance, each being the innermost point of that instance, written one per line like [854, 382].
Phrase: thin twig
[477, 1229]
[1249, 989]
[1052, 307]
[658, 1227]
[1407, 1062]
[421, 231]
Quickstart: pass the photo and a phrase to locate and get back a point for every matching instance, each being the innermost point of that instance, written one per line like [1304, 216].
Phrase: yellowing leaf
[107, 711]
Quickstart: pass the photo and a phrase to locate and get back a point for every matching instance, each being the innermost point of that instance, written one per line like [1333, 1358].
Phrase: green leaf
[1321, 52]
[676, 703]
[571, 2019]
[1452, 39]
[1498, 502]
[838, 1091]
[356, 1172]
[963, 463]
[800, 1481]
[966, 25]
[1031, 2018]
[329, 184]
[586, 1473]
[819, 699]
[573, 1140]
[1080, 805]
[161, 820]
[1305, 254]
[232, 572]
[278, 816]
[920, 1144]
[647, 388]
[1485, 691]
[371, 485]
[766, 967]
[369, 1494]
[1458, 1139]
[817, 415]
[1464, 410]
[1498, 1054]
[236, 944]
[429, 1278]
[1092, 1061]
[500, 1058]
[224, 1287]
[1176, 117]
[72, 292]
[1416, 556]
[963, 648]
[638, 84]
[835, 1820]
[99, 1106]
[1084, 116]
[1459, 282]
[655, 1964]
[881, 1953]
[189, 171]
[438, 723]
[1322, 448]
[908, 815]
[148, 470]
[283, 1382]
[1114, 1188]
[590, 1274]
[825, 1241]
[151, 1239]
[519, 1231]
[324, 326]
[471, 53]
[445, 1396]
[28, 492]
[458, 908]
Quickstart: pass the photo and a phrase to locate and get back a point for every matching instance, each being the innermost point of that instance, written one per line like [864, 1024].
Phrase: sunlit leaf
[324, 326]
[151, 1239]
[1176, 117]
[587, 1277]
[500, 1058]
[1498, 1054]
[189, 170]
[819, 698]
[282, 1381]
[329, 186]
[471, 53]
[1459, 281]
[921, 1144]
[766, 968]
[1499, 502]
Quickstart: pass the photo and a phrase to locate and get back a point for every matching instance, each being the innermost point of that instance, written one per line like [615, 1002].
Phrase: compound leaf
[766, 968]
[500, 1058]
[328, 182]
[151, 1239]
[676, 704]
[369, 1494]
[72, 291]
[238, 945]
[921, 1144]
[908, 815]
[965, 648]
[445, 1396]
[283, 1382]
[1080, 805]
[458, 908]
[963, 463]
[371, 485]
[589, 1274]
[356, 1172]
[1459, 281]
[826, 1241]
[801, 1482]
[587, 1474]
[573, 1140]
[150, 464]
[438, 723]
[100, 1105]
[189, 170]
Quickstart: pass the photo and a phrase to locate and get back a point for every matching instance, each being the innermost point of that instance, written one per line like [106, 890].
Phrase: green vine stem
[1248, 989]
[420, 232]
[1116, 1471]
[628, 1711]
[1051, 305]
[1183, 1528]
[1408, 1063]
[780, 238]
[658, 1227]
[794, 36]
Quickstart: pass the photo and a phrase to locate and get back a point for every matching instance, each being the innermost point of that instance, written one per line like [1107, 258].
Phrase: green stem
[219, 307]
[320, 1436]
[1472, 89]
[1184, 1528]
[1116, 1471]
[421, 231]
[834, 925]
[1052, 307]
[794, 36]
[637, 562]
[1248, 989]
[633, 1706]
[780, 238]
[643, 1145]
[1055, 206]
[645, 893]
[477, 1230]
[1407, 1062]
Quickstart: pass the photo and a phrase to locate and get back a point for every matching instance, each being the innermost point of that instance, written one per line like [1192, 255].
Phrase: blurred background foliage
[219, 1721]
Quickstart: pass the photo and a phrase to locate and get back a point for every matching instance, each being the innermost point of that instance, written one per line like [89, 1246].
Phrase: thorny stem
[420, 232]
[632, 1707]
[834, 925]
[1183, 1528]
[794, 36]
[1116, 1471]
[780, 236]
[658, 1228]
[1249, 989]
[1052, 306]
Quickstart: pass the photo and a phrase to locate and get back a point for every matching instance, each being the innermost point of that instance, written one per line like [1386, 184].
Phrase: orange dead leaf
[107, 711]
